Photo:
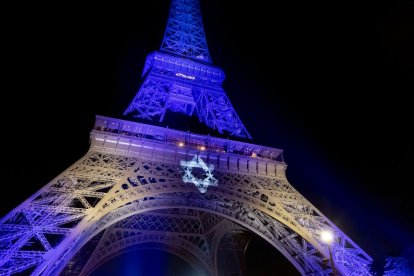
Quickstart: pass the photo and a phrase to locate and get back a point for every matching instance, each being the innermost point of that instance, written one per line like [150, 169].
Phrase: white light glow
[185, 76]
[113, 141]
[327, 236]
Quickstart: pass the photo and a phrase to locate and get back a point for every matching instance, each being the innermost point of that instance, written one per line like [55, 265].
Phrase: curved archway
[271, 230]
[265, 204]
[177, 234]
[227, 241]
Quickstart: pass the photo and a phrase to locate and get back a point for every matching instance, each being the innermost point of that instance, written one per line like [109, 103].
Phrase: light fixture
[327, 237]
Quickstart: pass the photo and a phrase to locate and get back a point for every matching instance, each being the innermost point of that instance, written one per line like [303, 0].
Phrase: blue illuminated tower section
[184, 34]
[180, 77]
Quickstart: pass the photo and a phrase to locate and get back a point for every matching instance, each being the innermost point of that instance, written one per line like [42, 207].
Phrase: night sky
[331, 83]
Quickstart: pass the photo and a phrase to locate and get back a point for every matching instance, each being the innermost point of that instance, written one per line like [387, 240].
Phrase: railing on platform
[185, 139]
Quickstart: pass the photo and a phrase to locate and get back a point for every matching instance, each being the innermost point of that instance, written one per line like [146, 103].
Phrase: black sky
[329, 82]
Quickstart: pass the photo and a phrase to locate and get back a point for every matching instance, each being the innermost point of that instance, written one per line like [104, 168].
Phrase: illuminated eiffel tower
[199, 197]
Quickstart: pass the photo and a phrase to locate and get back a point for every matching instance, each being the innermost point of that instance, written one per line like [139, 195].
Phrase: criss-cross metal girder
[128, 191]
[180, 78]
[184, 34]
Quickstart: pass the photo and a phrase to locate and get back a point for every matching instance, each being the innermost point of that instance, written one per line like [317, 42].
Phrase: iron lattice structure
[138, 187]
[102, 205]
[184, 34]
[179, 78]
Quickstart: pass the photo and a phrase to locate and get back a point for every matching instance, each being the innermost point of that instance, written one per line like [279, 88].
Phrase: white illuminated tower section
[196, 196]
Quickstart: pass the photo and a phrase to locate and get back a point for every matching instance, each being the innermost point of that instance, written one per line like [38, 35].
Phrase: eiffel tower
[196, 196]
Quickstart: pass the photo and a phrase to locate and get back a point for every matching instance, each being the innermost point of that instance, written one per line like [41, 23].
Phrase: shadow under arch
[261, 257]
[182, 254]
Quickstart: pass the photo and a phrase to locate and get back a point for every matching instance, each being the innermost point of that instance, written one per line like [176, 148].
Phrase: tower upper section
[184, 34]
[180, 78]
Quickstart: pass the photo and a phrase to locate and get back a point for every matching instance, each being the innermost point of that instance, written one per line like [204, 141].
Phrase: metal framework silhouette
[196, 196]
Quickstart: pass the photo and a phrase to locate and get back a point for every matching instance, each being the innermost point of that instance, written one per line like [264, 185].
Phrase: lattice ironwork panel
[243, 194]
[165, 88]
[38, 226]
[176, 229]
[268, 206]
[155, 222]
[180, 78]
[184, 34]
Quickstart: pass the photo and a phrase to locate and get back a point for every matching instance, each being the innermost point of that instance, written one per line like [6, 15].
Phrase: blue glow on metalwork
[184, 54]
[184, 34]
[190, 176]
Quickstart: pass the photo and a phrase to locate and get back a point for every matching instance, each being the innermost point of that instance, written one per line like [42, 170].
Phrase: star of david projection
[198, 173]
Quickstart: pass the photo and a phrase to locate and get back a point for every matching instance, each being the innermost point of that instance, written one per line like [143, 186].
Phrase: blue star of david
[201, 184]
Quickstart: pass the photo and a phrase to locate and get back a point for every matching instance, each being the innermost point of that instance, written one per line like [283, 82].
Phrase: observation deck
[157, 142]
